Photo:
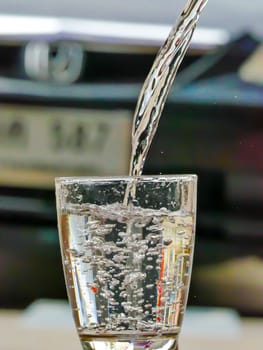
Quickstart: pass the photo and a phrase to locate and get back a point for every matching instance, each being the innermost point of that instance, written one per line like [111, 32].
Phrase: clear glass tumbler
[127, 266]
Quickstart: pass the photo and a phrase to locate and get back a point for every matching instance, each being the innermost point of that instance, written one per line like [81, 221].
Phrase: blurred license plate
[97, 141]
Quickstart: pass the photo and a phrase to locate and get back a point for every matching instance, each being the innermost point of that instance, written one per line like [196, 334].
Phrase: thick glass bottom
[156, 343]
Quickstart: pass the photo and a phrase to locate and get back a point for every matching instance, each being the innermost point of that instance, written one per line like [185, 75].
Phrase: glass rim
[115, 178]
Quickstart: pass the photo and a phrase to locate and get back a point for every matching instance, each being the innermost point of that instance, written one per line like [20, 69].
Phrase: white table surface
[15, 335]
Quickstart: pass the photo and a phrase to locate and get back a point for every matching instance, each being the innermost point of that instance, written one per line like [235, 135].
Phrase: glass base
[160, 344]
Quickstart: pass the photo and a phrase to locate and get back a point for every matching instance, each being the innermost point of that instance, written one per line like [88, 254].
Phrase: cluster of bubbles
[123, 265]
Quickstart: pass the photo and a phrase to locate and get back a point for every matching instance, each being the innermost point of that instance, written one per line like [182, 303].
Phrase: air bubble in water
[75, 253]
[167, 242]
[149, 286]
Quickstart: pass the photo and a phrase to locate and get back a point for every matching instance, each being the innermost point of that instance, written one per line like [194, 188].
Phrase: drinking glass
[127, 265]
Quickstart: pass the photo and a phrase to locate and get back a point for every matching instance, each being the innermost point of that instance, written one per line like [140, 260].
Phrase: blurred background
[70, 75]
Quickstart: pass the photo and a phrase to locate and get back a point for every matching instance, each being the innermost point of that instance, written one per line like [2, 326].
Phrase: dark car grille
[10, 60]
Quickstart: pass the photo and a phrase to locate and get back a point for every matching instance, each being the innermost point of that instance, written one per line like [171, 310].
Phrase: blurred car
[70, 75]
